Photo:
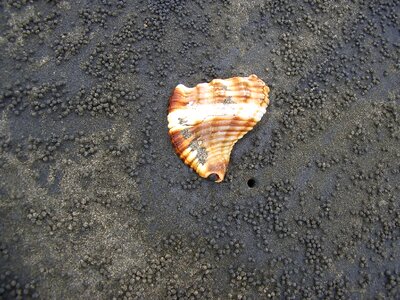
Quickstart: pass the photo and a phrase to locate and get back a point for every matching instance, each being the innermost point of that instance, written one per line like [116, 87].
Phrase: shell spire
[207, 120]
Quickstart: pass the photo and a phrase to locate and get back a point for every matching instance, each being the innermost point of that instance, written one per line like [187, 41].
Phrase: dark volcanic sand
[94, 203]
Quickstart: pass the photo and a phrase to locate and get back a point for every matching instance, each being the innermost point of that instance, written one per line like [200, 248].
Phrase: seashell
[206, 121]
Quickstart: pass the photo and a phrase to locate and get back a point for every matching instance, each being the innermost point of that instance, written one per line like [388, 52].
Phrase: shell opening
[213, 177]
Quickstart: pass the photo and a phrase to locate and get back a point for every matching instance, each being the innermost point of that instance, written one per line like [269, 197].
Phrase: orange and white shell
[206, 121]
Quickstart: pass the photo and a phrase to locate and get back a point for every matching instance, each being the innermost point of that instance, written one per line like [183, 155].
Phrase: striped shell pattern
[206, 121]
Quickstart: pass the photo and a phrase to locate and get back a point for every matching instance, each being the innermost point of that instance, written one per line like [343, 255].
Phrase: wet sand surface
[95, 204]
